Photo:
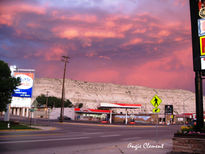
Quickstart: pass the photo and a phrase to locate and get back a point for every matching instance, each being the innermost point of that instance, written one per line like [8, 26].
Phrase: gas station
[112, 106]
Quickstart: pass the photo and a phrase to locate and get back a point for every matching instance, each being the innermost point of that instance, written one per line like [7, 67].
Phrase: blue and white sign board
[25, 89]
[201, 27]
[21, 102]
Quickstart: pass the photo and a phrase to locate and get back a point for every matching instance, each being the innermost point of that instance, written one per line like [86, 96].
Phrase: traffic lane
[64, 143]
[91, 131]
[73, 128]
[170, 130]
[146, 135]
[20, 145]
[139, 133]
[58, 136]
[13, 146]
[67, 140]
[69, 126]
[100, 148]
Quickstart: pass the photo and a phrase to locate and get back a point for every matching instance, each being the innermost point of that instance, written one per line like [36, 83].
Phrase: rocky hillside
[92, 94]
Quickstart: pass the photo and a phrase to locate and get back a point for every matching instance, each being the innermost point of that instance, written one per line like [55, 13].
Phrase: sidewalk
[46, 123]
[38, 128]
[107, 125]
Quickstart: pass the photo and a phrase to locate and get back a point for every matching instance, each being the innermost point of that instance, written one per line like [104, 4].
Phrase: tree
[80, 105]
[52, 101]
[7, 85]
[68, 103]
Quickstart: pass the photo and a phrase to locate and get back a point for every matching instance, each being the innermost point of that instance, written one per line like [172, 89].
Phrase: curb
[38, 128]
[100, 125]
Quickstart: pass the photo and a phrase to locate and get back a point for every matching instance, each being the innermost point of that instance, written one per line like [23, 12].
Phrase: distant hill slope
[92, 94]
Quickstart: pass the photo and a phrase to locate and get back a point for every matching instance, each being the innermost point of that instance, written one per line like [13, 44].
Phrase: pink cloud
[69, 34]
[110, 24]
[10, 12]
[85, 32]
[91, 54]
[6, 19]
[99, 75]
[86, 42]
[101, 34]
[178, 39]
[23, 8]
[63, 31]
[33, 25]
[53, 53]
[49, 70]
[116, 17]
[180, 2]
[163, 33]
[84, 18]
[133, 42]
[105, 57]
[125, 27]
[110, 27]
[139, 30]
[164, 72]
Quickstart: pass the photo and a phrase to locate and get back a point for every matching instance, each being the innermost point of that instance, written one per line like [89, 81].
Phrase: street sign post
[169, 109]
[156, 110]
[155, 101]
[31, 110]
[197, 27]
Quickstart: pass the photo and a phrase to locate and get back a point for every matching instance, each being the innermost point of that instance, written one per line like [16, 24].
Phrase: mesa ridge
[92, 94]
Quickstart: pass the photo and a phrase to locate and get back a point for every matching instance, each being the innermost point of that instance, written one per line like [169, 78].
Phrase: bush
[186, 129]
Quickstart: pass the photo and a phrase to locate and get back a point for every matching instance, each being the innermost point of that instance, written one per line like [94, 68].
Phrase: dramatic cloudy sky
[131, 42]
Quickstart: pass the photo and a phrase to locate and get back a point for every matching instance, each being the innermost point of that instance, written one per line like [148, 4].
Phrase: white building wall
[55, 113]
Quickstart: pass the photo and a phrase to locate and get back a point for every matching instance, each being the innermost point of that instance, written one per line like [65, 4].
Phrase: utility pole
[65, 60]
[196, 12]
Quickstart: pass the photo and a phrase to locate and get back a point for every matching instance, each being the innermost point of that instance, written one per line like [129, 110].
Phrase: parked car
[65, 118]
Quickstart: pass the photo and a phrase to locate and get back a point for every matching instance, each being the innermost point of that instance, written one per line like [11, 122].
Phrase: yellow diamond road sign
[155, 101]
[156, 110]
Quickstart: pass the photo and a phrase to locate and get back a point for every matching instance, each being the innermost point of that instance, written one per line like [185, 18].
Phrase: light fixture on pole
[65, 60]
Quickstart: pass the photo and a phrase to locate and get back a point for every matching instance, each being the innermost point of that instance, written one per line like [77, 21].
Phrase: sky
[128, 42]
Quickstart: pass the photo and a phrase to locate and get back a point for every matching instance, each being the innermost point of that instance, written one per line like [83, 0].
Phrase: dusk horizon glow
[144, 43]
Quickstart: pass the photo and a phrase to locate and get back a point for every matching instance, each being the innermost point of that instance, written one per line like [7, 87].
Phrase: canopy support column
[110, 116]
[126, 116]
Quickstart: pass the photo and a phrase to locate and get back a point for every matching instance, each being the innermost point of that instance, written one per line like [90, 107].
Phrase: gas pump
[132, 119]
[104, 119]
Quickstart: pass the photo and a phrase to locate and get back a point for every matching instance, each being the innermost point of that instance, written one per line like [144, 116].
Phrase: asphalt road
[77, 138]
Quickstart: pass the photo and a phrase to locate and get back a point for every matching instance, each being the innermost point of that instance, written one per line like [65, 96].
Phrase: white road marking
[92, 133]
[45, 140]
[110, 135]
[131, 138]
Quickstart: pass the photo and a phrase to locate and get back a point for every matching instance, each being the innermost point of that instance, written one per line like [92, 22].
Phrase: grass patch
[13, 125]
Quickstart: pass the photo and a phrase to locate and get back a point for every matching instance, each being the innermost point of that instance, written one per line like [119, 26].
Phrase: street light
[65, 60]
